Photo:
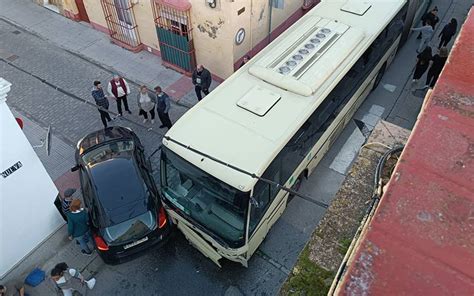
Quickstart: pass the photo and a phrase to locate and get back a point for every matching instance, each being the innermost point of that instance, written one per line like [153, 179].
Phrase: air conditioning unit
[301, 62]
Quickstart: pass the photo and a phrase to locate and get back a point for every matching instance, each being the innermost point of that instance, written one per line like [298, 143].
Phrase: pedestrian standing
[422, 63]
[427, 33]
[432, 17]
[70, 281]
[163, 106]
[66, 201]
[437, 65]
[202, 81]
[102, 102]
[62, 202]
[146, 103]
[447, 33]
[78, 226]
[244, 61]
[119, 89]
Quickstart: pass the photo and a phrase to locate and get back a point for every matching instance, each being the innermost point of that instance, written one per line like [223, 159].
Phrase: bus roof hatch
[302, 62]
[356, 7]
[258, 100]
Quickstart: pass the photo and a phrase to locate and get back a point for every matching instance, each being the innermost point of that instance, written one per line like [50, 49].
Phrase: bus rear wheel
[379, 76]
[296, 186]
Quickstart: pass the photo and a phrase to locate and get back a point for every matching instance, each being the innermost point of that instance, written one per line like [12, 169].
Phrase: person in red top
[118, 88]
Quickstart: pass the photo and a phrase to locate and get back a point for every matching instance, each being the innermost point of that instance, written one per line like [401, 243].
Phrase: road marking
[377, 110]
[390, 87]
[348, 152]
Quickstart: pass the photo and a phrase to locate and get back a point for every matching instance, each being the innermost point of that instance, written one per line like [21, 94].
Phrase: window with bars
[121, 22]
[174, 30]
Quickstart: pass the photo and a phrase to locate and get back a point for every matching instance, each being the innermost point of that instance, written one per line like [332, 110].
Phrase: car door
[88, 197]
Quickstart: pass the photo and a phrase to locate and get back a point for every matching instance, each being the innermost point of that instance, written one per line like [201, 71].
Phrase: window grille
[121, 22]
[174, 30]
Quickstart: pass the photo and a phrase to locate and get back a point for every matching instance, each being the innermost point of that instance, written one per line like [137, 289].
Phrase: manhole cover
[16, 32]
[12, 58]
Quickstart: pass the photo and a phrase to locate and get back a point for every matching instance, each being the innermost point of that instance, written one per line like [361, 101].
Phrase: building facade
[215, 33]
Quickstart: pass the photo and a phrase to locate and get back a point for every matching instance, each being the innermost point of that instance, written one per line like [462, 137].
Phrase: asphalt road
[52, 86]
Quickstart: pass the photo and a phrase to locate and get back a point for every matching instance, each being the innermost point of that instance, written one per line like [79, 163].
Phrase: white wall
[27, 213]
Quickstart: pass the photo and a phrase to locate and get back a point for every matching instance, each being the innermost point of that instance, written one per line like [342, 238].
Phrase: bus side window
[264, 193]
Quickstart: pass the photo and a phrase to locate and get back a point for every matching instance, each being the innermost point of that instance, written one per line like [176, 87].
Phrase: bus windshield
[217, 207]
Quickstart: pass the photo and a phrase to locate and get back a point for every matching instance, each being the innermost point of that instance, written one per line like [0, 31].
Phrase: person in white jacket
[426, 34]
[118, 88]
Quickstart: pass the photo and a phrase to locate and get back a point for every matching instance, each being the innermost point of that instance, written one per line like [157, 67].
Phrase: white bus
[275, 119]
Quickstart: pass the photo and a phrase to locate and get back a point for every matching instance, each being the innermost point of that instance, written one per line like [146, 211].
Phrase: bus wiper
[273, 183]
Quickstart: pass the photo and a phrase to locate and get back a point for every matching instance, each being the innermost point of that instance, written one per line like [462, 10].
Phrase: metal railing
[121, 22]
[174, 29]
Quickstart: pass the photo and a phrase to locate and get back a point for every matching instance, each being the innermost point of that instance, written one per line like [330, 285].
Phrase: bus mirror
[75, 168]
[254, 202]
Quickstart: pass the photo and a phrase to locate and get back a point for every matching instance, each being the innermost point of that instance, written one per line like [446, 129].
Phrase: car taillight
[162, 218]
[100, 243]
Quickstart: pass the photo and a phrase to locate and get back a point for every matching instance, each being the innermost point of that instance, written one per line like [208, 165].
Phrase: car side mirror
[75, 168]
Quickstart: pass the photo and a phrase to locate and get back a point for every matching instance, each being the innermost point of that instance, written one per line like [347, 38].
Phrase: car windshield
[132, 229]
[107, 151]
[216, 206]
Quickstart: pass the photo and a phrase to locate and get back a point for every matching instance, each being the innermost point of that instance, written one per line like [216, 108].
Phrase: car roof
[105, 135]
[119, 188]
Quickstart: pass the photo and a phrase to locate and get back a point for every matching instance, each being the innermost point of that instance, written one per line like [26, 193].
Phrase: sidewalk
[81, 39]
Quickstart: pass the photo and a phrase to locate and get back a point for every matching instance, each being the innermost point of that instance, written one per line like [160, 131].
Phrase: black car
[125, 211]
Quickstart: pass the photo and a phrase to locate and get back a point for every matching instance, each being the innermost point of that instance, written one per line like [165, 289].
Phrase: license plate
[136, 243]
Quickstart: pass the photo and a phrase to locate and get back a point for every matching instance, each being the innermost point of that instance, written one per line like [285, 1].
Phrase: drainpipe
[251, 19]
[270, 22]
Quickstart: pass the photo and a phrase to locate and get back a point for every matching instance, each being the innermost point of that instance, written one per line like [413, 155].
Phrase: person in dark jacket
[101, 101]
[202, 81]
[422, 63]
[245, 60]
[78, 226]
[437, 65]
[447, 33]
[163, 107]
[431, 17]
